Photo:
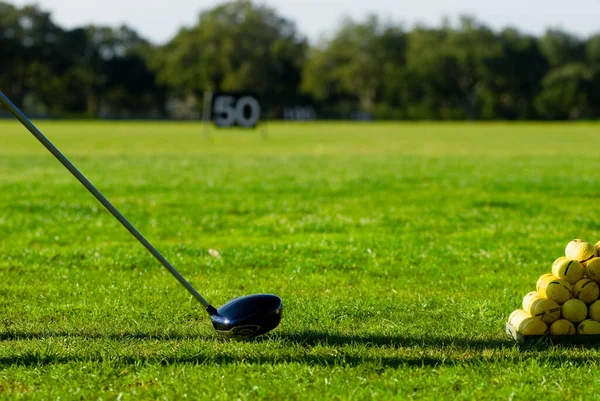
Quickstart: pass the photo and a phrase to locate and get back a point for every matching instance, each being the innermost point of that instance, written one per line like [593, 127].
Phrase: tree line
[371, 66]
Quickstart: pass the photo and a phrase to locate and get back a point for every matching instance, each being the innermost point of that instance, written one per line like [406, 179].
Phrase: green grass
[399, 251]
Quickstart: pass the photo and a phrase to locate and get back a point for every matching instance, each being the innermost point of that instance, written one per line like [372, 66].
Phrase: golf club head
[248, 316]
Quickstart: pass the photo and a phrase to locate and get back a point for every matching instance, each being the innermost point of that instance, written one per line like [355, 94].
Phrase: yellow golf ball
[574, 310]
[594, 311]
[588, 327]
[568, 269]
[562, 327]
[542, 308]
[592, 269]
[586, 290]
[580, 250]
[541, 280]
[525, 324]
[557, 289]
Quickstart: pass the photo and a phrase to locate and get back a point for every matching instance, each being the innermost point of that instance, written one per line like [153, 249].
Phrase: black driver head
[248, 316]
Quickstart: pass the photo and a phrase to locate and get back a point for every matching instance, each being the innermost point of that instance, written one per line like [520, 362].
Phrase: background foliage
[447, 73]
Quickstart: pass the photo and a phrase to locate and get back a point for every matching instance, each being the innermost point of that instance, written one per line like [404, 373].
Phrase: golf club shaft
[88, 185]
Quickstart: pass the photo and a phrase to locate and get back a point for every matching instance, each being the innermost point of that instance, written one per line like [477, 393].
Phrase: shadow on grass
[310, 338]
[33, 359]
[307, 339]
[340, 359]
[122, 336]
[460, 350]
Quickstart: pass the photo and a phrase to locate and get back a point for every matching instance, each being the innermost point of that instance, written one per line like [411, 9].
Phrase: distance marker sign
[235, 109]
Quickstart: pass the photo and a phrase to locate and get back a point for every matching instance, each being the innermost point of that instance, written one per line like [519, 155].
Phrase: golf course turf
[399, 251]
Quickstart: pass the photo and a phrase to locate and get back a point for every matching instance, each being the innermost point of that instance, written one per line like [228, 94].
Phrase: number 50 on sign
[235, 109]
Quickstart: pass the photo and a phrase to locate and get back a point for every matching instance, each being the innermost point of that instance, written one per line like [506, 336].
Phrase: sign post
[206, 112]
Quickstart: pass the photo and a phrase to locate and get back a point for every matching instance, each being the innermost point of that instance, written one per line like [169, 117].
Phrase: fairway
[399, 251]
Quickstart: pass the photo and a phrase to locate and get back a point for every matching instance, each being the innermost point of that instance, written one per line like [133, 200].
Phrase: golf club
[242, 317]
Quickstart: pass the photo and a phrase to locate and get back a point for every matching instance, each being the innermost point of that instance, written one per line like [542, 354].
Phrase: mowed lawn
[399, 251]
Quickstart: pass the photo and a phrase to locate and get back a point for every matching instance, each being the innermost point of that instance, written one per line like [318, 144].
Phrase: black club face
[248, 316]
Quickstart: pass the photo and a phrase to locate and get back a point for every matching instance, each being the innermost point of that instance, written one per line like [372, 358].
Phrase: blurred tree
[119, 78]
[354, 64]
[565, 88]
[561, 48]
[463, 72]
[90, 59]
[28, 42]
[9, 48]
[566, 93]
[455, 69]
[52, 70]
[238, 46]
[592, 49]
[517, 72]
